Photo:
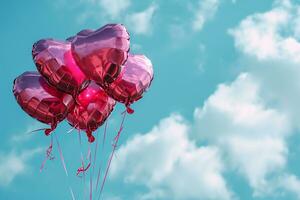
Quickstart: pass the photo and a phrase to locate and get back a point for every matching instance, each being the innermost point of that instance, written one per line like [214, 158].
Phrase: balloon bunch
[81, 79]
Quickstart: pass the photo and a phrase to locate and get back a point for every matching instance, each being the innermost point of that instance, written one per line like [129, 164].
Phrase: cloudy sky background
[221, 120]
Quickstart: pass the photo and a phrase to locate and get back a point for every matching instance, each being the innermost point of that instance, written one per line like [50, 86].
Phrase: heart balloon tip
[91, 139]
[48, 131]
[129, 110]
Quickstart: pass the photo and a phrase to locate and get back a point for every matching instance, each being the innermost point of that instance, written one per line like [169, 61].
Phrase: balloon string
[100, 165]
[64, 165]
[95, 153]
[116, 139]
[98, 177]
[104, 135]
[82, 169]
[61, 156]
[72, 193]
[82, 162]
[95, 156]
[69, 131]
[88, 153]
[48, 155]
[81, 154]
[91, 178]
[36, 130]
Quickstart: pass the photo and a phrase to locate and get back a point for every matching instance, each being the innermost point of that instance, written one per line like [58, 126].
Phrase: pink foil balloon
[93, 106]
[55, 62]
[135, 78]
[101, 53]
[40, 100]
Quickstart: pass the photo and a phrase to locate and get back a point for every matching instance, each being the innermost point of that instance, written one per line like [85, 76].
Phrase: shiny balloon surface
[54, 60]
[101, 53]
[135, 78]
[92, 108]
[40, 100]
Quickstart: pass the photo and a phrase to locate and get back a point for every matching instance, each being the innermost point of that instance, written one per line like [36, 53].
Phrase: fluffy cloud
[245, 124]
[242, 134]
[263, 35]
[141, 22]
[251, 118]
[170, 165]
[206, 11]
[250, 135]
[114, 7]
[270, 49]
[291, 183]
[138, 22]
[14, 164]
[239, 108]
[243, 131]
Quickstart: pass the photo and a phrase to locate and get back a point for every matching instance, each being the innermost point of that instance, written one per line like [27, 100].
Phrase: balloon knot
[129, 110]
[82, 169]
[48, 131]
[90, 136]
[91, 139]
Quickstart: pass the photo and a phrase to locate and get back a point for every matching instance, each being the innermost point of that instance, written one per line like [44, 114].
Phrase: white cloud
[141, 22]
[270, 50]
[242, 134]
[102, 10]
[291, 183]
[138, 22]
[269, 43]
[114, 8]
[258, 160]
[250, 135]
[14, 164]
[170, 165]
[206, 11]
[245, 124]
[260, 34]
[238, 108]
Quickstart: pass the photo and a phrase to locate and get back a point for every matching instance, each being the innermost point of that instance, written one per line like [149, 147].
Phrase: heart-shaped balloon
[40, 100]
[135, 78]
[100, 53]
[92, 108]
[54, 60]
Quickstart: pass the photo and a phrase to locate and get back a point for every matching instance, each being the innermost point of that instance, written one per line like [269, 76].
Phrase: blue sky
[220, 121]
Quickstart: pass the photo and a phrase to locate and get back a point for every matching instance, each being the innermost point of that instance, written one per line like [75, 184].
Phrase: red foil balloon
[40, 100]
[55, 62]
[93, 106]
[101, 53]
[135, 78]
